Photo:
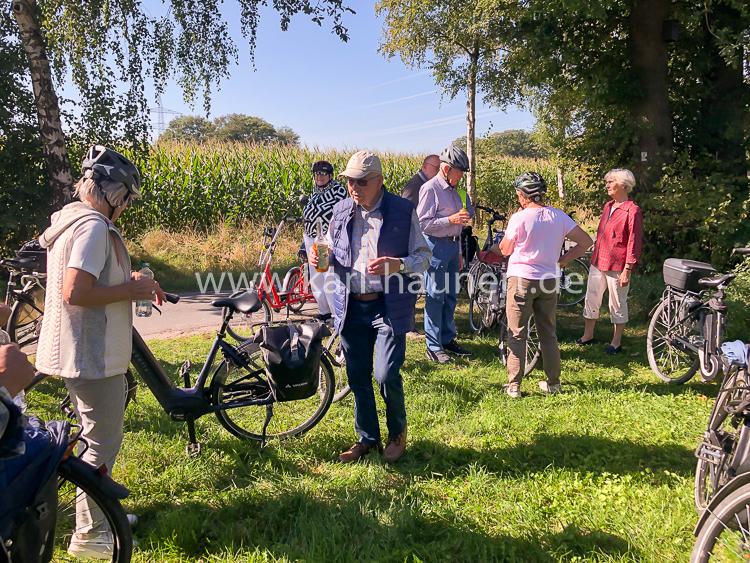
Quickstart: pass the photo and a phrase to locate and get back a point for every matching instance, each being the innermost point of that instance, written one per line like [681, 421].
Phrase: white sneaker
[513, 390]
[96, 545]
[550, 389]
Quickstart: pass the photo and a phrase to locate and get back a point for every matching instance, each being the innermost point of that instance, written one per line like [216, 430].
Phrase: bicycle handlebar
[741, 251]
[172, 297]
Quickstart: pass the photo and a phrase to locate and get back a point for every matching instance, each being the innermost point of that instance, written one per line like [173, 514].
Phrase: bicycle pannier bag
[292, 356]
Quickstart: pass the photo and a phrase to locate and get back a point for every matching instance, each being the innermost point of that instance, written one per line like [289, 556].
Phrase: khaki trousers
[525, 298]
[608, 281]
[100, 406]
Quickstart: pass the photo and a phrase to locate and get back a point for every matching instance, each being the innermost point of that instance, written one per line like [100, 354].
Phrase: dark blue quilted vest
[393, 242]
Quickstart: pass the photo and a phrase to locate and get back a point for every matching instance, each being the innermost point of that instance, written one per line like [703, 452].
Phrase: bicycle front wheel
[292, 278]
[100, 529]
[232, 385]
[25, 321]
[725, 535]
[341, 382]
[670, 363]
[573, 280]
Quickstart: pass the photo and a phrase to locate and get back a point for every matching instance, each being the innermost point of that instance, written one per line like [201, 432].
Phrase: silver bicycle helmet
[456, 158]
[532, 185]
[110, 171]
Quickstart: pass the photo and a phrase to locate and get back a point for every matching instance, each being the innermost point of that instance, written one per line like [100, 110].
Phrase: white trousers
[598, 283]
[320, 282]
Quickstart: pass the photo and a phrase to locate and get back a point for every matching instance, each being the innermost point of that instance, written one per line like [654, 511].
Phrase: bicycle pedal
[193, 449]
[709, 453]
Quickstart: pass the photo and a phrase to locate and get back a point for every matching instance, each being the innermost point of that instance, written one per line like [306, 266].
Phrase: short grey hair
[622, 176]
[116, 192]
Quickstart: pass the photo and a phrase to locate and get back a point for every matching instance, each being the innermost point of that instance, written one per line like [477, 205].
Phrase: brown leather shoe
[358, 451]
[395, 448]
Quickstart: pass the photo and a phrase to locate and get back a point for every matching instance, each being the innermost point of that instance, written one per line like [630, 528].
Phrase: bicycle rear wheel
[533, 352]
[79, 485]
[573, 279]
[481, 315]
[667, 361]
[231, 385]
[725, 535]
[292, 277]
[242, 327]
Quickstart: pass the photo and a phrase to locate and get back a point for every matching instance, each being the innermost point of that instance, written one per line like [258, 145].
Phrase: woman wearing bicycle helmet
[533, 241]
[86, 337]
[327, 192]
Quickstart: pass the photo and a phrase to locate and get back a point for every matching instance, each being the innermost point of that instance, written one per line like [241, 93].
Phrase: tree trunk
[471, 118]
[47, 104]
[651, 113]
[560, 184]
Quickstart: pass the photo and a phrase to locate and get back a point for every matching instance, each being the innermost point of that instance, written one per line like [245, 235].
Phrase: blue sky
[340, 95]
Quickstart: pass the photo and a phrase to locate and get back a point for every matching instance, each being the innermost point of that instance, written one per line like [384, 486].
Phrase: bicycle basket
[291, 354]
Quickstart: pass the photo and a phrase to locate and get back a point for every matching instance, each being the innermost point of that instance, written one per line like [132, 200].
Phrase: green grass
[600, 473]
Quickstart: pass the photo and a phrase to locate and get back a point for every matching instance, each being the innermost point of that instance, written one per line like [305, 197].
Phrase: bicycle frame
[186, 404]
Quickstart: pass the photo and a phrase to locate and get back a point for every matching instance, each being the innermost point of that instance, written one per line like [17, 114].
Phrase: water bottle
[20, 399]
[143, 308]
[321, 249]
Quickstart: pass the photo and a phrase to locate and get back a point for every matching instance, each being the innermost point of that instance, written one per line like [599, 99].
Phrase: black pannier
[684, 274]
[33, 250]
[292, 356]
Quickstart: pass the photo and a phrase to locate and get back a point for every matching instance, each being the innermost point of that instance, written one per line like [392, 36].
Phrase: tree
[243, 128]
[511, 142]
[286, 136]
[109, 49]
[456, 39]
[188, 128]
[23, 201]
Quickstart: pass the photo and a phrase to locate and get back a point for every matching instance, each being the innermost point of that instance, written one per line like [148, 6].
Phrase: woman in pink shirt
[619, 240]
[533, 241]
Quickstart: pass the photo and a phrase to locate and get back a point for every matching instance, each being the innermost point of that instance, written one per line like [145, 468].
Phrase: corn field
[197, 187]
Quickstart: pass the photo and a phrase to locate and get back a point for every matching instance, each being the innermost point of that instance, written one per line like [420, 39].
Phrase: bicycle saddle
[716, 282]
[244, 303]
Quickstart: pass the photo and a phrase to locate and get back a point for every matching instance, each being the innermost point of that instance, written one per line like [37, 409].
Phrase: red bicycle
[291, 294]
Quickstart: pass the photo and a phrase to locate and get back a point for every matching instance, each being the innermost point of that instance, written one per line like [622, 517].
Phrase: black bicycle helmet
[456, 158]
[109, 169]
[323, 166]
[532, 185]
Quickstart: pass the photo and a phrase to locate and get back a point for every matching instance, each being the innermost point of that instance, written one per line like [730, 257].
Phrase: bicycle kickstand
[193, 449]
[269, 415]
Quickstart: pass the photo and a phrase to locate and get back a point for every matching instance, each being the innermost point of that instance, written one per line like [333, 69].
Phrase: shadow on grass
[566, 451]
[351, 525]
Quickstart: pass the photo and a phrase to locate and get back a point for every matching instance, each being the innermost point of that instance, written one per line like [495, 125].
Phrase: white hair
[622, 176]
[87, 189]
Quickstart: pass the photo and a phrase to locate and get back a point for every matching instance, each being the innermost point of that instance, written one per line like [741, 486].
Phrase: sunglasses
[319, 173]
[361, 182]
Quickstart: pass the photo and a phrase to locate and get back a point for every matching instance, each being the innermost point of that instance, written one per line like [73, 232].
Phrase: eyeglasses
[361, 182]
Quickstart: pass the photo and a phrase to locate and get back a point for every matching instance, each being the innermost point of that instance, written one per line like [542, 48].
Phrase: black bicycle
[237, 388]
[686, 329]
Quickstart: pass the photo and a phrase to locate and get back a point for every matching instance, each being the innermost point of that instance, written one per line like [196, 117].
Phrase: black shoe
[582, 342]
[439, 357]
[454, 348]
[323, 317]
[611, 350]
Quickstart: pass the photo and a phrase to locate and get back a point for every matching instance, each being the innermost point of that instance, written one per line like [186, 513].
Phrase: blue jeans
[441, 285]
[365, 334]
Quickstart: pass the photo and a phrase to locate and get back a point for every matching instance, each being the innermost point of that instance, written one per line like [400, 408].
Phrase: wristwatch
[401, 265]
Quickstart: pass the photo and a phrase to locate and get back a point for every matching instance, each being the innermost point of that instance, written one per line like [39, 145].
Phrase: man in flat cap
[376, 244]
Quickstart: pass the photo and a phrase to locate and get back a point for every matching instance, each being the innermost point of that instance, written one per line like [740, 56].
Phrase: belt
[366, 296]
[452, 239]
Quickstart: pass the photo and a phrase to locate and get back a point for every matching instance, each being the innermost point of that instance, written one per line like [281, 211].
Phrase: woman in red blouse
[617, 250]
